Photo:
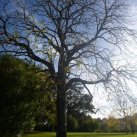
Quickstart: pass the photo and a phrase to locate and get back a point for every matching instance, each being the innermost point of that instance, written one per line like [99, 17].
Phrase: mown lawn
[82, 135]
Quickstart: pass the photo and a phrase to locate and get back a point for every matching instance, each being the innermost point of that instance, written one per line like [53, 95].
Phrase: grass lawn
[82, 135]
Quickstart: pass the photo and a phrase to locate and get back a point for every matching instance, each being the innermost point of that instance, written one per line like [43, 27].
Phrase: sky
[101, 100]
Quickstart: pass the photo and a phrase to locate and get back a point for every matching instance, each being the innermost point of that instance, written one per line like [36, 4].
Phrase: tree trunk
[61, 111]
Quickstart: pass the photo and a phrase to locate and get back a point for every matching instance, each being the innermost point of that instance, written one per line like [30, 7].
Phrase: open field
[83, 135]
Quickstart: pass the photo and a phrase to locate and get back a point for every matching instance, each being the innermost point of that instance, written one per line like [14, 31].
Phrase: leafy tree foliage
[78, 101]
[45, 116]
[79, 104]
[72, 123]
[117, 124]
[18, 92]
[88, 125]
[112, 123]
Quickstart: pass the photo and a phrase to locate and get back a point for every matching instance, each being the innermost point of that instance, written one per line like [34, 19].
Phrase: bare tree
[76, 41]
[121, 111]
[126, 110]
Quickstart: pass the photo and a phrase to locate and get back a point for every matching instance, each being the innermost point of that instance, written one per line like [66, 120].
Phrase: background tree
[112, 124]
[88, 124]
[72, 123]
[79, 105]
[125, 110]
[74, 40]
[78, 101]
[104, 125]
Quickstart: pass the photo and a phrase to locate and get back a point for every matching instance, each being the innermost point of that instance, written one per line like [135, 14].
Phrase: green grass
[82, 135]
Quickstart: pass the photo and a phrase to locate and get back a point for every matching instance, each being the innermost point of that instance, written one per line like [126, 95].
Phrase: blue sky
[132, 2]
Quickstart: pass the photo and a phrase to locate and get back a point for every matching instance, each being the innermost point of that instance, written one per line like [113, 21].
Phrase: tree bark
[61, 111]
